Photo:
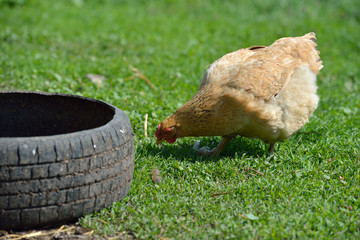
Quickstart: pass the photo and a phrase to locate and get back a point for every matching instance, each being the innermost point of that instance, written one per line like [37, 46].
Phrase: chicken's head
[165, 134]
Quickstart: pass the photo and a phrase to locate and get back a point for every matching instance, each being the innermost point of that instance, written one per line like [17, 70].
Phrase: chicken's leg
[221, 145]
[271, 148]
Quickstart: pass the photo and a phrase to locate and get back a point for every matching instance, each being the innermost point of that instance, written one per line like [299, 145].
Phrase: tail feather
[316, 63]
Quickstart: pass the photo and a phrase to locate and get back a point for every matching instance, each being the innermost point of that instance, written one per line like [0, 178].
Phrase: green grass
[51, 46]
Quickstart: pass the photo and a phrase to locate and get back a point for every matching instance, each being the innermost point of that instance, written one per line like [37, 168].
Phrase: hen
[260, 92]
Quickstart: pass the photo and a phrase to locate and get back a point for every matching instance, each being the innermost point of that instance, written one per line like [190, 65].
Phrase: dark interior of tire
[30, 114]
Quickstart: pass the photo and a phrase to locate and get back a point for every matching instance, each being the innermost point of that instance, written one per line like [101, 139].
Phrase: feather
[258, 92]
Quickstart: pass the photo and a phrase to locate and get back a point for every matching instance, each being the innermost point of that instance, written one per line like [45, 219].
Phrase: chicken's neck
[194, 118]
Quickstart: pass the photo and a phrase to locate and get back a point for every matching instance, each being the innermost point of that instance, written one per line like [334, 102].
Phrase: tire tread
[57, 180]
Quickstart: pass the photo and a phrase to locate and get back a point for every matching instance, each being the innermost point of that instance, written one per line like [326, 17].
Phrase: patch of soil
[64, 232]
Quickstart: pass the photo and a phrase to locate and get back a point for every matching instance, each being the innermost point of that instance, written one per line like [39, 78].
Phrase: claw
[206, 151]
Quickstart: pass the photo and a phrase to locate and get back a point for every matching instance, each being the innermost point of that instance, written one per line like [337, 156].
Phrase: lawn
[308, 189]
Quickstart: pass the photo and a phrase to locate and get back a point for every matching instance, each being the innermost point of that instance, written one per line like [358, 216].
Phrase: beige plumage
[260, 92]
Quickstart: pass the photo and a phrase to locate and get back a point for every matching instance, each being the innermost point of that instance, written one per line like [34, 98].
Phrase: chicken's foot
[216, 151]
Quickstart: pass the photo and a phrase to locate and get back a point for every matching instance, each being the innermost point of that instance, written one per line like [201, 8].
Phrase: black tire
[77, 158]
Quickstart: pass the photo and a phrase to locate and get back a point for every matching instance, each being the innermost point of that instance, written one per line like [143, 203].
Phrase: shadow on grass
[183, 150]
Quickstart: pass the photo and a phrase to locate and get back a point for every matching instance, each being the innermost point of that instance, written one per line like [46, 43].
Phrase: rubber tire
[56, 179]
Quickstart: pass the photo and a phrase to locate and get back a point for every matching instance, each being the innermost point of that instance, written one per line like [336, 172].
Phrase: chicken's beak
[160, 140]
